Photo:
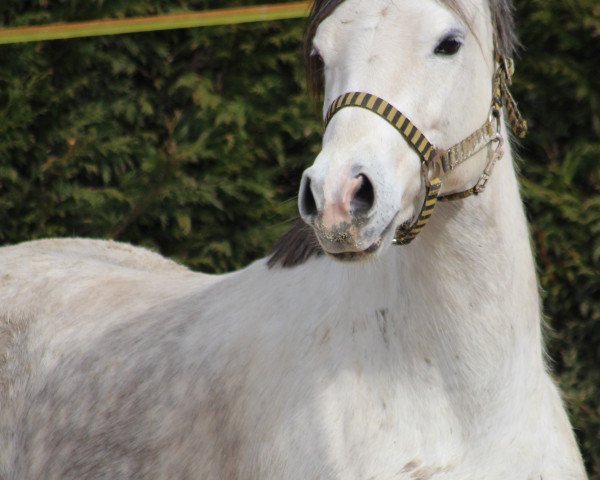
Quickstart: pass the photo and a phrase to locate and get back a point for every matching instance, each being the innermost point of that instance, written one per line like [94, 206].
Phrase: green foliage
[192, 142]
[189, 141]
[559, 91]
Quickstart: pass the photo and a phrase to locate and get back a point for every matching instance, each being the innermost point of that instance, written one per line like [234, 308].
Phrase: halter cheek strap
[436, 162]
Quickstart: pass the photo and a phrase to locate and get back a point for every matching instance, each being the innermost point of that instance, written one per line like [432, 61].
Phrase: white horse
[422, 361]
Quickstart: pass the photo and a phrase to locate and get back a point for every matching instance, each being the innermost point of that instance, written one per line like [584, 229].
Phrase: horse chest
[354, 429]
[358, 403]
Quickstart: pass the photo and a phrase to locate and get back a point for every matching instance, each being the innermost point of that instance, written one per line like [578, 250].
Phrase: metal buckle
[494, 154]
[495, 115]
[439, 162]
[425, 172]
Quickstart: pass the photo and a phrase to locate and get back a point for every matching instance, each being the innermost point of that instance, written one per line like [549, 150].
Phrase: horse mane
[299, 244]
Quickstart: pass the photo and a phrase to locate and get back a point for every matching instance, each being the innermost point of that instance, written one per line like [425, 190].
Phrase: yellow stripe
[371, 102]
[360, 98]
[427, 154]
[408, 128]
[382, 107]
[400, 121]
[391, 114]
[347, 98]
[430, 203]
[422, 145]
[415, 137]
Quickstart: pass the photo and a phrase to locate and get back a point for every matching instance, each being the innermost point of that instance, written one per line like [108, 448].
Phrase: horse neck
[464, 294]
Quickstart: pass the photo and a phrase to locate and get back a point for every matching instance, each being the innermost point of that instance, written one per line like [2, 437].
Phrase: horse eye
[448, 46]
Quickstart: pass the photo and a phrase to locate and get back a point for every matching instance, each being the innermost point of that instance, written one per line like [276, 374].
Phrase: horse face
[425, 59]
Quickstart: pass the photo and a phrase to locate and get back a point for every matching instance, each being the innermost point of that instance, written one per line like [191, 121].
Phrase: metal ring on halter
[494, 154]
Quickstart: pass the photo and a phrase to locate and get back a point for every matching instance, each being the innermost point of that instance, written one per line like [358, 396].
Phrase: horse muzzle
[341, 217]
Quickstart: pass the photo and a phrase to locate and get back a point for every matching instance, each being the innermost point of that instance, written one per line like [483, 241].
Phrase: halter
[435, 161]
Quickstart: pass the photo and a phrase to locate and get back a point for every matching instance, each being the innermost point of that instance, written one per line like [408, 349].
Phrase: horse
[394, 333]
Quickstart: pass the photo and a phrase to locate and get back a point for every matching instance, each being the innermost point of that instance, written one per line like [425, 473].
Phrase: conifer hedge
[191, 142]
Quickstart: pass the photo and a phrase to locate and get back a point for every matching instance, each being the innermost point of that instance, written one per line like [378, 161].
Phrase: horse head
[432, 60]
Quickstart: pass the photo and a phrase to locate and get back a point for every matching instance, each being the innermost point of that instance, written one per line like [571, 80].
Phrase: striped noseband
[436, 162]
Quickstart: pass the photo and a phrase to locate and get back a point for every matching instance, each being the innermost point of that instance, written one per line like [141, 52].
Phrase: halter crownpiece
[435, 161]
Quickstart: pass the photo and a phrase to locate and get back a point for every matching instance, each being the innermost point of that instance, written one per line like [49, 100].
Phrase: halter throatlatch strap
[436, 162]
[502, 96]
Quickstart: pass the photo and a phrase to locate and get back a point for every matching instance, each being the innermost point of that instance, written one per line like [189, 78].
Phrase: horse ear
[296, 247]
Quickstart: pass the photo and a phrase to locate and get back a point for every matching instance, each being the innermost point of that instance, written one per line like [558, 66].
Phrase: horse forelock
[300, 244]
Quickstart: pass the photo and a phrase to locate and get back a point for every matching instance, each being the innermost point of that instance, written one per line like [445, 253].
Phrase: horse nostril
[364, 198]
[308, 205]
